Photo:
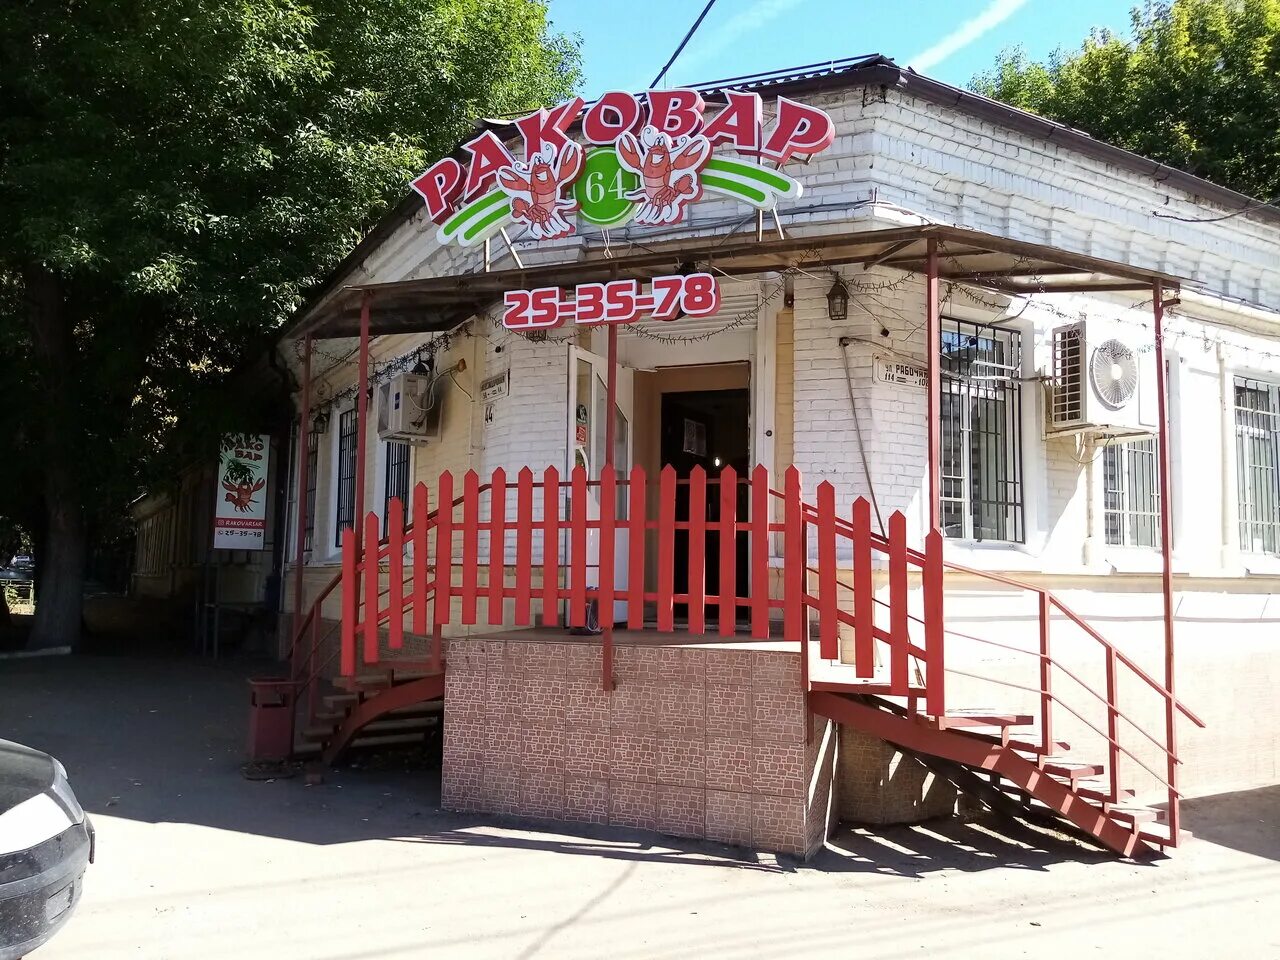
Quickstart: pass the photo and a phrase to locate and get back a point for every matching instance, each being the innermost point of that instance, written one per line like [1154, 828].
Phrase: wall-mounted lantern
[838, 301]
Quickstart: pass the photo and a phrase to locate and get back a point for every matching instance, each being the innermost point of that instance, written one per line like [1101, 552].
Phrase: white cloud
[995, 13]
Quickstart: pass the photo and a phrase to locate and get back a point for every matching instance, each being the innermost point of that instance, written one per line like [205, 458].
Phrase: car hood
[24, 773]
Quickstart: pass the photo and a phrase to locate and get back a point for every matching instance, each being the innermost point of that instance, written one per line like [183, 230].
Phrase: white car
[46, 844]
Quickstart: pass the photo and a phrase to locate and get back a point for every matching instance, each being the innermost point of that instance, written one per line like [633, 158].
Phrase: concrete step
[1070, 770]
[983, 717]
[1134, 815]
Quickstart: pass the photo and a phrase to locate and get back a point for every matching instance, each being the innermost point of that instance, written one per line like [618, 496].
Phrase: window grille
[1068, 375]
[981, 411]
[1131, 494]
[396, 481]
[1257, 412]
[313, 472]
[346, 475]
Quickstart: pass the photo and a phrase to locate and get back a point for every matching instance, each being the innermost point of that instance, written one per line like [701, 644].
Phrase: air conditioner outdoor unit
[1102, 382]
[410, 408]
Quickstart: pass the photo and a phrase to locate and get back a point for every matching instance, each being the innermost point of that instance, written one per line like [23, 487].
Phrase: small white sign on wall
[495, 387]
[900, 374]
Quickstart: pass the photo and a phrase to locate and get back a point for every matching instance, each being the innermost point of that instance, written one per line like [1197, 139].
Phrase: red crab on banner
[670, 172]
[240, 495]
[535, 187]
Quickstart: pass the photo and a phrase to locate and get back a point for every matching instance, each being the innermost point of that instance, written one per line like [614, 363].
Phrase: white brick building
[774, 380]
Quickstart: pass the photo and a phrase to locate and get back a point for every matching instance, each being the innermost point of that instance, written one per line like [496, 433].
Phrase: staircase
[1019, 770]
[449, 566]
[393, 707]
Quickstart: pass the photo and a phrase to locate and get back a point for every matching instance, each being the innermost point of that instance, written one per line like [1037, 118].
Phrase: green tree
[1197, 87]
[174, 175]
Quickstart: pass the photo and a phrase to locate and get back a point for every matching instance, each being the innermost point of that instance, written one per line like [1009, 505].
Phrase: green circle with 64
[602, 187]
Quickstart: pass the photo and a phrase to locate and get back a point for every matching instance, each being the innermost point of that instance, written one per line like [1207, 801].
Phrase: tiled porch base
[701, 741]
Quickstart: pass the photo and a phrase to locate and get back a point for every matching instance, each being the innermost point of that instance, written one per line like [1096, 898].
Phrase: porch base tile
[693, 743]
[586, 800]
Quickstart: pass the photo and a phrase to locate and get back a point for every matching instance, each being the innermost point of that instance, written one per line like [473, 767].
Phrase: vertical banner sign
[240, 518]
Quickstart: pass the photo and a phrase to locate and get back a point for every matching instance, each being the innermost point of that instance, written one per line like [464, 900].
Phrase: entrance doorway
[708, 429]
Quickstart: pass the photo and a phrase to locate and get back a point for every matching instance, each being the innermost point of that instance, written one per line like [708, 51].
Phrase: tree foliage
[1197, 87]
[175, 175]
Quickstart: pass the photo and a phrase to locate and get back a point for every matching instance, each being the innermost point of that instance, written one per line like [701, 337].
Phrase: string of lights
[382, 370]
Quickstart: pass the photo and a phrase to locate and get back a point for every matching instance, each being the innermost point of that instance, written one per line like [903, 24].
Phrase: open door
[588, 400]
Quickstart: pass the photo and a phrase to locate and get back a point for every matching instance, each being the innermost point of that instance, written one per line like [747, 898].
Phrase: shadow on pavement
[158, 739]
[1246, 820]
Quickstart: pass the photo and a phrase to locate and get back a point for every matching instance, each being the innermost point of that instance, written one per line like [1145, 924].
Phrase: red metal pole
[611, 400]
[933, 336]
[1166, 550]
[304, 425]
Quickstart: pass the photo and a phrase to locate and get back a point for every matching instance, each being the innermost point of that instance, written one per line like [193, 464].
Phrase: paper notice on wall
[695, 437]
[240, 516]
[900, 374]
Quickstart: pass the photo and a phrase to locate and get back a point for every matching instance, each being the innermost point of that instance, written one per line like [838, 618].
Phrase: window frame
[348, 416]
[1005, 394]
[1132, 520]
[1247, 499]
[389, 463]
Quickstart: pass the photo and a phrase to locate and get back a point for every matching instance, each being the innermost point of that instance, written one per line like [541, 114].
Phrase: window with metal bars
[395, 481]
[346, 514]
[981, 413]
[1257, 412]
[1131, 494]
[313, 466]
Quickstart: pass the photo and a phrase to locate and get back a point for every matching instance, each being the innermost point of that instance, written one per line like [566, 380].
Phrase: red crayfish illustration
[669, 172]
[534, 187]
[240, 495]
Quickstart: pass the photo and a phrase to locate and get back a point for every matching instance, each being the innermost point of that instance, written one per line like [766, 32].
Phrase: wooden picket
[420, 529]
[443, 601]
[550, 546]
[578, 548]
[758, 550]
[524, 546]
[470, 545]
[395, 574]
[864, 643]
[666, 549]
[728, 588]
[828, 575]
[371, 588]
[899, 621]
[636, 509]
[497, 543]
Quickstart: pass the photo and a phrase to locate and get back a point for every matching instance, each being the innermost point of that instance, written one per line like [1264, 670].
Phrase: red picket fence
[570, 531]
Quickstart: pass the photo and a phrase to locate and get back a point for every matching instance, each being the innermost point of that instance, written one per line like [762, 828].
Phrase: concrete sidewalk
[196, 862]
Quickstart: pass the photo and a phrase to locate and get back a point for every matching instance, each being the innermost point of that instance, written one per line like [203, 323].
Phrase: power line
[687, 37]
[1251, 205]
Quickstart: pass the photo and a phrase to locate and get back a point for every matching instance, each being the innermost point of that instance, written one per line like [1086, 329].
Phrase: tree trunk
[60, 583]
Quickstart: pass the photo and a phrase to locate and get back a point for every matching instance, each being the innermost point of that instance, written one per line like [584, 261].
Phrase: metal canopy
[1008, 266]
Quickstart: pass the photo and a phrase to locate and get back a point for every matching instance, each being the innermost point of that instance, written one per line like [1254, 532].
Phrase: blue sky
[626, 42]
